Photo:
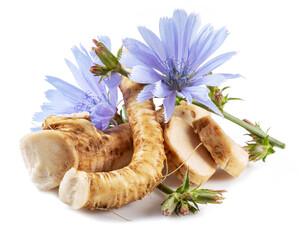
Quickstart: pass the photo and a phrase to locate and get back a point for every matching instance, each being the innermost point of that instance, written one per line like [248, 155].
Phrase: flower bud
[109, 60]
[219, 99]
[170, 204]
[98, 70]
[184, 209]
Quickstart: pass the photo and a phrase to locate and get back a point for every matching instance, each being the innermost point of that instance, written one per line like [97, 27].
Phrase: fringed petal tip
[146, 93]
[169, 105]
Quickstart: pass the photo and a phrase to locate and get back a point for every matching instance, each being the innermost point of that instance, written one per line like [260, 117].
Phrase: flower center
[177, 74]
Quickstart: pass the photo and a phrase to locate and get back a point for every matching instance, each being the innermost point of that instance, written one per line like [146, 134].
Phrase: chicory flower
[175, 64]
[91, 96]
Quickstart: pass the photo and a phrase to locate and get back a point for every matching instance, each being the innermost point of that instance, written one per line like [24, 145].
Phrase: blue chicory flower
[91, 97]
[173, 65]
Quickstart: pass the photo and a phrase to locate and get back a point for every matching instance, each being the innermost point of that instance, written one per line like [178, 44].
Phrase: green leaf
[225, 88]
[235, 99]
[186, 184]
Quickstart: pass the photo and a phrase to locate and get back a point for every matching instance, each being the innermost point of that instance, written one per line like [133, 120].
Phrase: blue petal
[200, 93]
[153, 42]
[72, 93]
[113, 81]
[146, 93]
[113, 88]
[101, 115]
[95, 58]
[169, 105]
[212, 80]
[168, 35]
[218, 40]
[180, 18]
[189, 34]
[143, 53]
[53, 108]
[213, 64]
[84, 77]
[143, 74]
[214, 43]
[199, 45]
[54, 96]
[129, 60]
[35, 129]
[231, 76]
[161, 89]
[112, 85]
[208, 102]
[187, 95]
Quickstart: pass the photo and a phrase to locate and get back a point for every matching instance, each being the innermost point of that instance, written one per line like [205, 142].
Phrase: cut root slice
[181, 142]
[190, 112]
[227, 154]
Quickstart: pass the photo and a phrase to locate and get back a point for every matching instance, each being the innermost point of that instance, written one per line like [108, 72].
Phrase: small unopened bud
[184, 210]
[218, 98]
[170, 204]
[98, 70]
[109, 60]
[166, 213]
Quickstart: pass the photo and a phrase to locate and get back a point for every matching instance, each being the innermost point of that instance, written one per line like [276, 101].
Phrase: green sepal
[119, 53]
[258, 148]
[185, 199]
[169, 205]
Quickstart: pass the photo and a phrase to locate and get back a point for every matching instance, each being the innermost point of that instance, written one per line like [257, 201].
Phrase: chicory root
[68, 141]
[113, 189]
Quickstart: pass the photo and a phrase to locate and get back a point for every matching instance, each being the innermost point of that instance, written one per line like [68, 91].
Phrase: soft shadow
[221, 175]
[172, 181]
[148, 207]
[54, 192]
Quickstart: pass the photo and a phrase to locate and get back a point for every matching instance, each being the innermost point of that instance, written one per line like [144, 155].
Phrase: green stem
[164, 189]
[245, 125]
[253, 130]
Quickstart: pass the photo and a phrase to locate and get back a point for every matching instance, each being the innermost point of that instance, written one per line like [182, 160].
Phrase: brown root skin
[72, 141]
[227, 154]
[115, 188]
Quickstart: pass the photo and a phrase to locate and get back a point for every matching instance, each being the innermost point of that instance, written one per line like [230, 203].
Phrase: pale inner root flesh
[74, 188]
[47, 157]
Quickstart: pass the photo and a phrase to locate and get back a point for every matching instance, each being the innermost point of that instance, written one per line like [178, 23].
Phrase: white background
[264, 202]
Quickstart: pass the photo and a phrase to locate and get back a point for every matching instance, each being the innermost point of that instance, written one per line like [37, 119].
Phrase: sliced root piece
[227, 154]
[190, 112]
[72, 141]
[115, 188]
[181, 142]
